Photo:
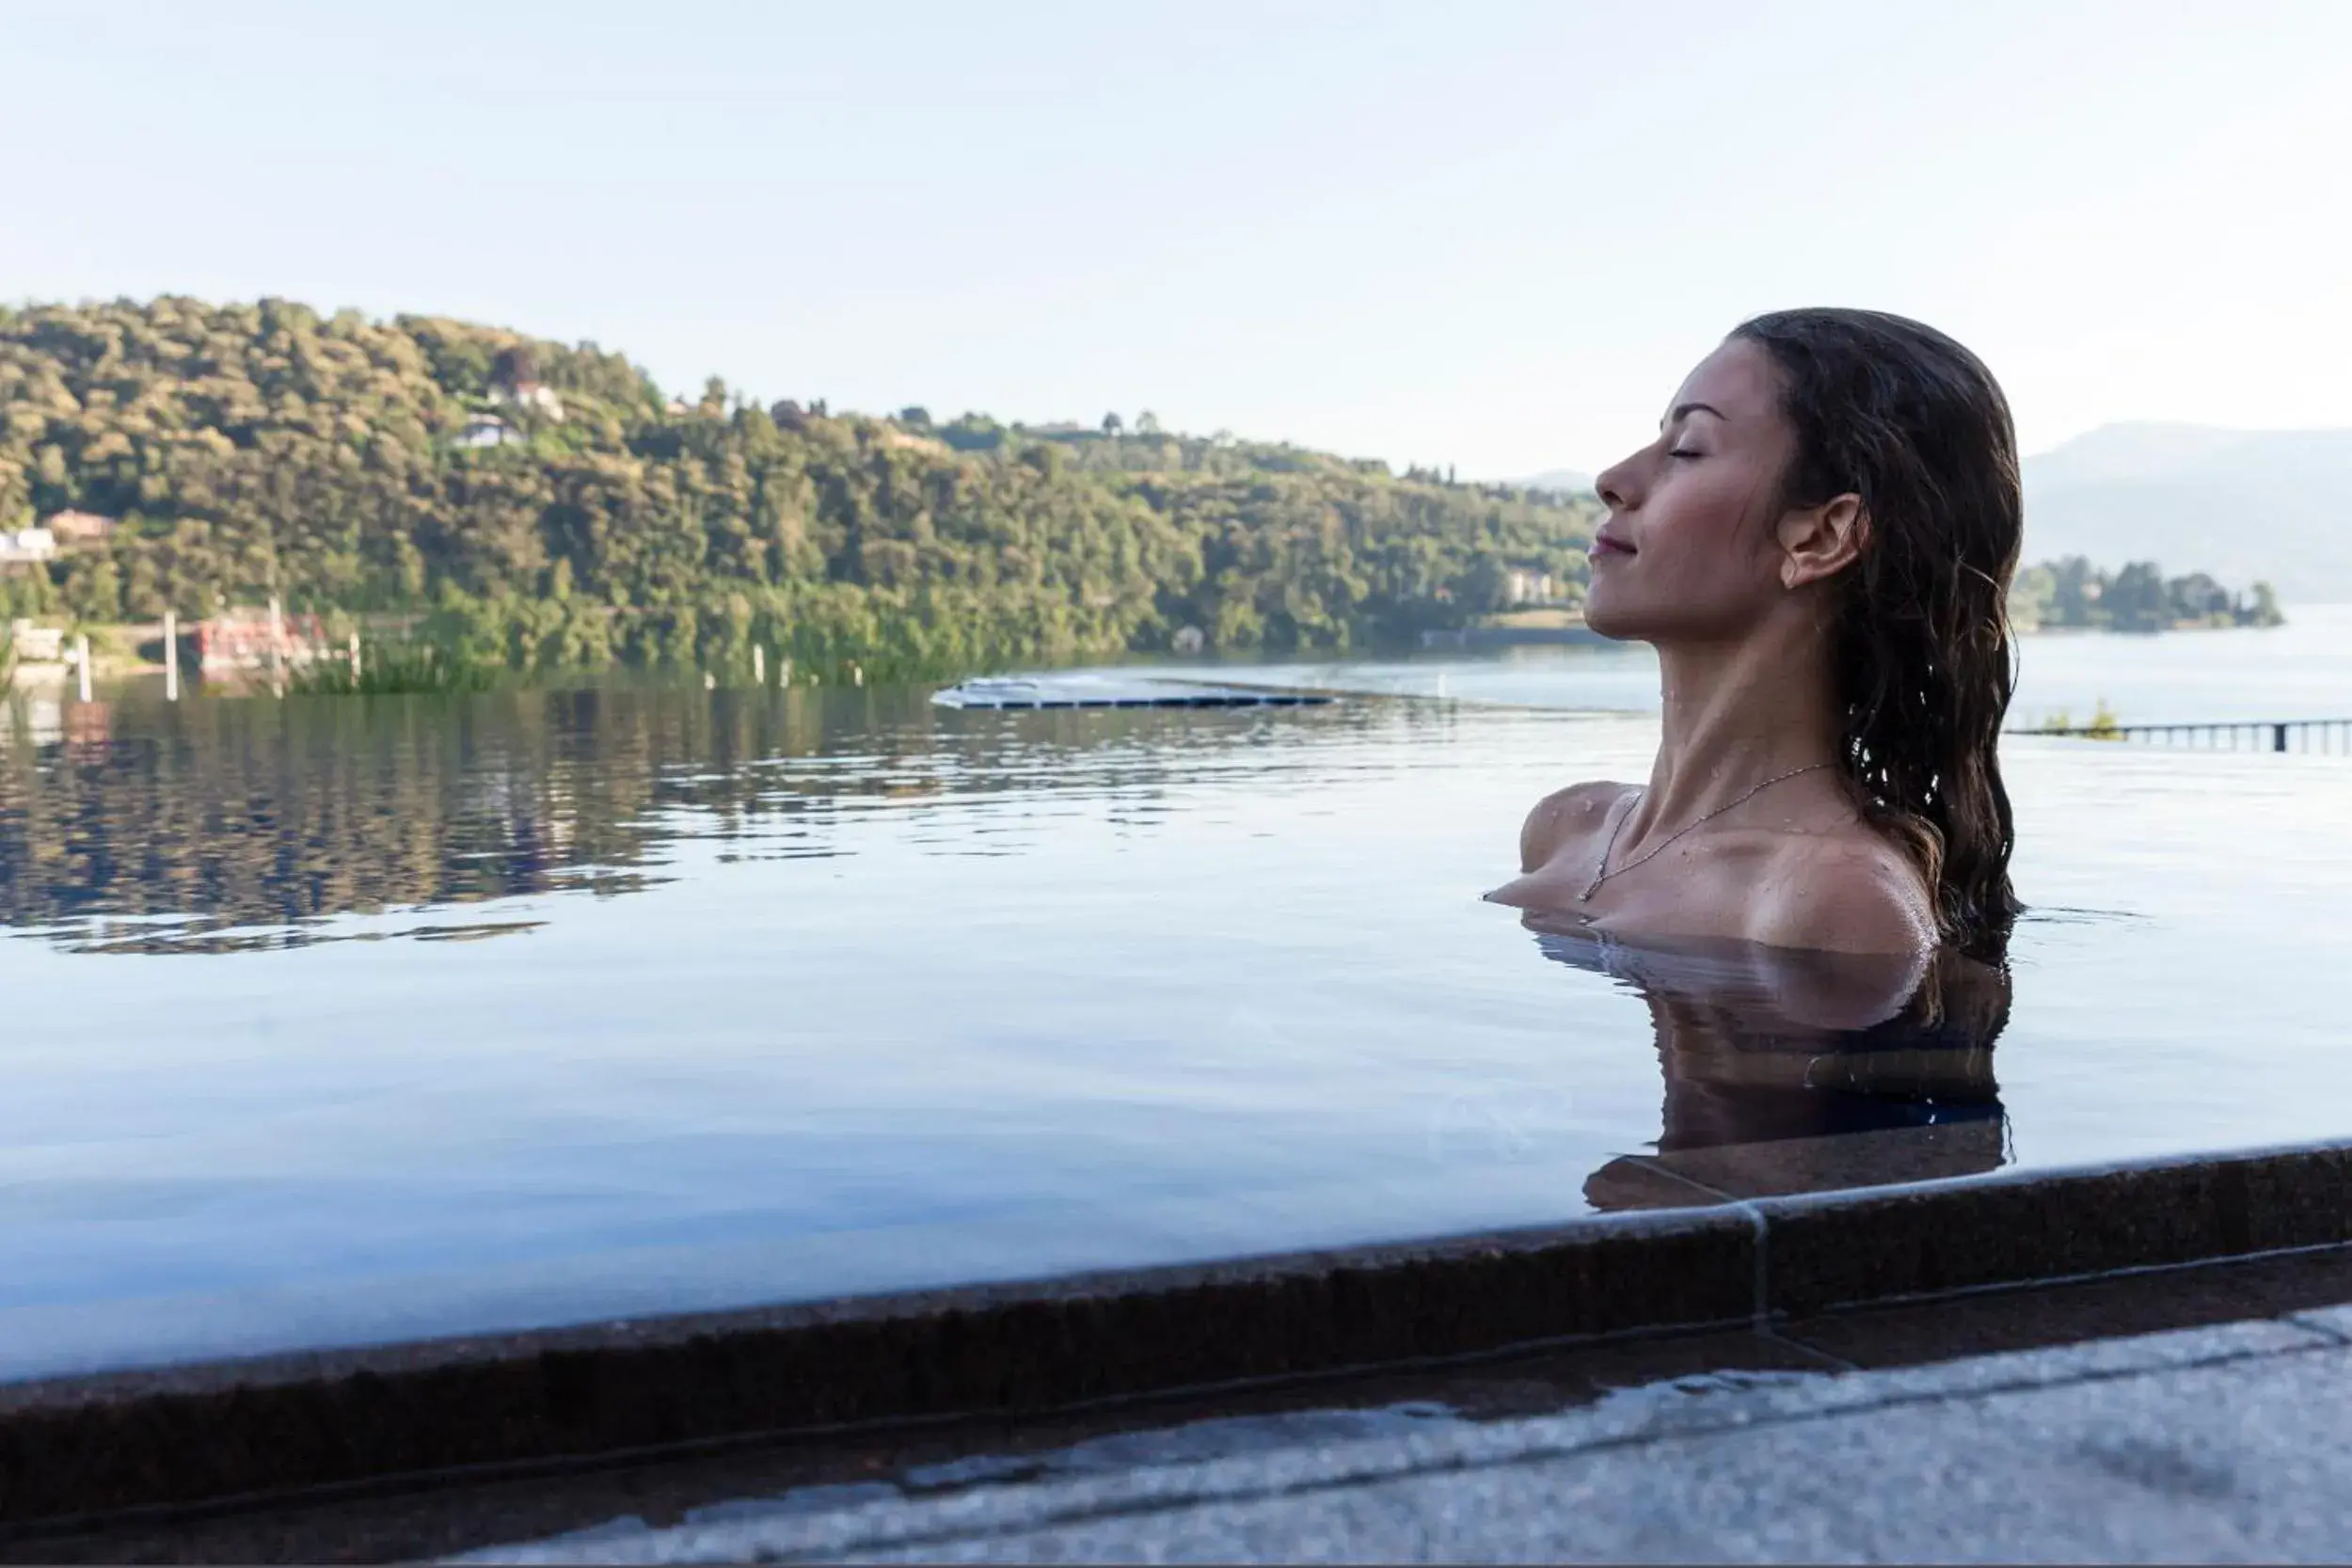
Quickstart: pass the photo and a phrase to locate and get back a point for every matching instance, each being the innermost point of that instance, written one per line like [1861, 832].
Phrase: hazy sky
[1487, 234]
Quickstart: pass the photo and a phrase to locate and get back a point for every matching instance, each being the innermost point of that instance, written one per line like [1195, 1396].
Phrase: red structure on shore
[258, 640]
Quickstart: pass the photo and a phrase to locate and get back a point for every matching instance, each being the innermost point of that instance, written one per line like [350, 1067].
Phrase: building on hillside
[246, 639]
[72, 528]
[35, 645]
[515, 381]
[487, 429]
[1523, 586]
[26, 547]
[535, 395]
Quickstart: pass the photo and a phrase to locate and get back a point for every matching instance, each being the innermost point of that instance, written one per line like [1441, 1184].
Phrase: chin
[1608, 616]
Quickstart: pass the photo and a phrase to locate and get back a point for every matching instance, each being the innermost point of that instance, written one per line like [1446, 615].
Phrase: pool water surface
[335, 1022]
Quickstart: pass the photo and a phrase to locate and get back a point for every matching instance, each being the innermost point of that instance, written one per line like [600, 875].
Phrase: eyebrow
[1683, 410]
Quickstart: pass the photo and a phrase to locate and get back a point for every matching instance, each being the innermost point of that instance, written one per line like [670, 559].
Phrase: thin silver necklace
[1623, 817]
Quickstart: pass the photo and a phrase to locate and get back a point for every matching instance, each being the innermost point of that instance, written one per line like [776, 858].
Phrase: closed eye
[1684, 451]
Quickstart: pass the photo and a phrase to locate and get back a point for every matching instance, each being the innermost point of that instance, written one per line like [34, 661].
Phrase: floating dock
[1057, 691]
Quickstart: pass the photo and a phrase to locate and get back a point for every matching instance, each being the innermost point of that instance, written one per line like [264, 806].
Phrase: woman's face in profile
[1688, 552]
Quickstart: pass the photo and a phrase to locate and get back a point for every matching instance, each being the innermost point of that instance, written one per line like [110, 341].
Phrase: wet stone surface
[1678, 1389]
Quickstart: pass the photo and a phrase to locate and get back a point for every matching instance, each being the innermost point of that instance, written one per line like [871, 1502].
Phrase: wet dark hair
[1912, 423]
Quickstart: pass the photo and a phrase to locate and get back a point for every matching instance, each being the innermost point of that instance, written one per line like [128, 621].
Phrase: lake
[2302, 669]
[338, 1020]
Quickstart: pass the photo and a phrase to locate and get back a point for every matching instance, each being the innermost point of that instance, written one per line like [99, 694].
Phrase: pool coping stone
[199, 1434]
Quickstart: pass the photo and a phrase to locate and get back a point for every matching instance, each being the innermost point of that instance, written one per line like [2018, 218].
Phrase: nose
[1619, 485]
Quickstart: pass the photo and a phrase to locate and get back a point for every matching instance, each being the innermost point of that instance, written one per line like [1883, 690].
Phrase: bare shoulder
[1847, 893]
[1563, 815]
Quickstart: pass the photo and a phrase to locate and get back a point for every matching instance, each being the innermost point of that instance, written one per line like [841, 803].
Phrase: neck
[1737, 714]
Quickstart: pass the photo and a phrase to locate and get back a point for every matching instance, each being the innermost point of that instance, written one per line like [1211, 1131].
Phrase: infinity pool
[334, 1021]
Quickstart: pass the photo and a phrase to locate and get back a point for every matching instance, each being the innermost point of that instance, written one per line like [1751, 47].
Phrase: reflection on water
[811, 994]
[230, 826]
[1767, 1050]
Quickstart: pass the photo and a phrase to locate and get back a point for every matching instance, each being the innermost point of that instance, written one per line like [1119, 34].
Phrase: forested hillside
[548, 505]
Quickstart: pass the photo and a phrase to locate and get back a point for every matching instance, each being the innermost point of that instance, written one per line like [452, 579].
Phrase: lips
[1606, 545]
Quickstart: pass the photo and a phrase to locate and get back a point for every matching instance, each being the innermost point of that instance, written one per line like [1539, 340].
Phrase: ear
[1821, 541]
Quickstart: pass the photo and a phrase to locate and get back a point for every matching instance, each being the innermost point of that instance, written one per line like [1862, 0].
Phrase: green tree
[256, 449]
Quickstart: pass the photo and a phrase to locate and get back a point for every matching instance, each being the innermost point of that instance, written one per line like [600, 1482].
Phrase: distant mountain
[1566, 480]
[2242, 504]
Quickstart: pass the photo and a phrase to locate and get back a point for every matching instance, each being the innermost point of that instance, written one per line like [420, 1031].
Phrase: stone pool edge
[203, 1432]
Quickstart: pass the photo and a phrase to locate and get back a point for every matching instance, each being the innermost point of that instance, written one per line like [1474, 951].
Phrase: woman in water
[1819, 544]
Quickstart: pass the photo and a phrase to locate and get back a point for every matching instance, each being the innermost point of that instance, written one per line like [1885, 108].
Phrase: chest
[1694, 888]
